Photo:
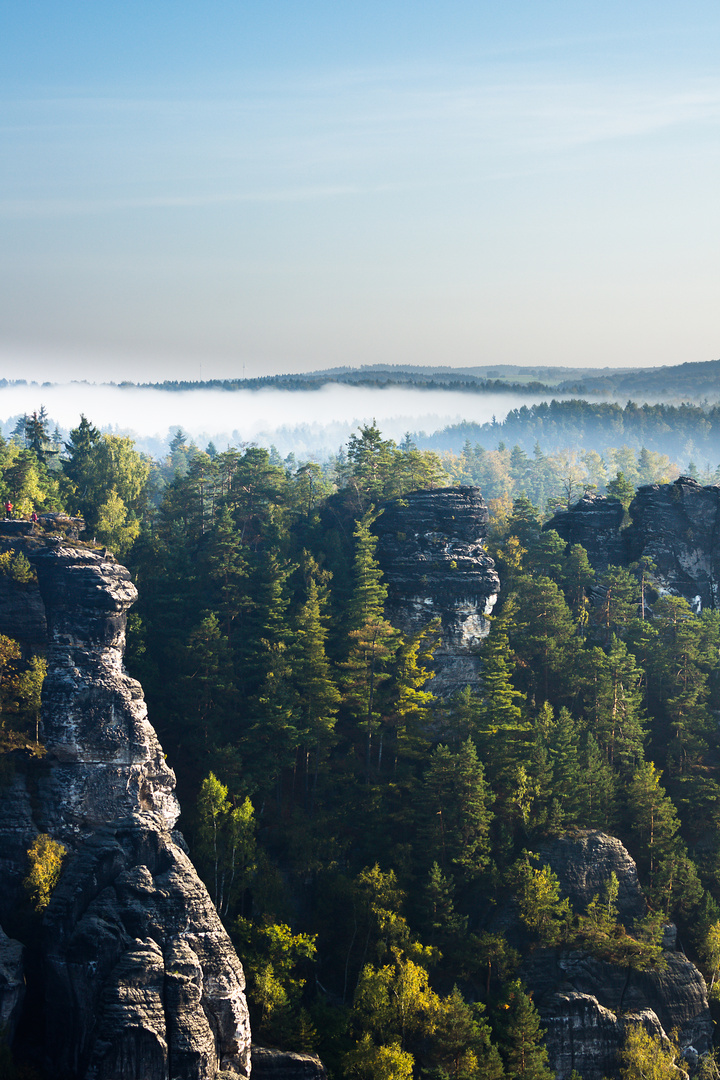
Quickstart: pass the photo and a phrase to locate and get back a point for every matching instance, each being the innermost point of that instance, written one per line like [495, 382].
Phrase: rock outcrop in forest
[431, 550]
[140, 978]
[586, 1002]
[676, 525]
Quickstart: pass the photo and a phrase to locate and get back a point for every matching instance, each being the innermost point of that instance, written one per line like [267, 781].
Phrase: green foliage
[226, 842]
[114, 526]
[521, 1036]
[454, 812]
[541, 909]
[367, 1061]
[16, 566]
[45, 859]
[647, 1057]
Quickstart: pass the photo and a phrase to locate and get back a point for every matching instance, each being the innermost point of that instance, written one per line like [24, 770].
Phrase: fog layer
[308, 423]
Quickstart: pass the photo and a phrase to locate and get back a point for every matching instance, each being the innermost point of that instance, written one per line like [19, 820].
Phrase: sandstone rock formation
[141, 979]
[584, 859]
[133, 938]
[282, 1065]
[675, 524]
[12, 984]
[594, 521]
[586, 1003]
[431, 551]
[107, 761]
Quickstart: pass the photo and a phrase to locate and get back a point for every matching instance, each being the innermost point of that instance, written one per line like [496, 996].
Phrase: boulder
[281, 1065]
[584, 860]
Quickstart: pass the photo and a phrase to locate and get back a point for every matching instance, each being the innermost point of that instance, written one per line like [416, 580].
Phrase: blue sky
[215, 188]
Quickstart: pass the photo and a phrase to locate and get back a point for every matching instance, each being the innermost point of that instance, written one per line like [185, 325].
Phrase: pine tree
[317, 694]
[224, 560]
[596, 795]
[566, 770]
[579, 576]
[521, 1037]
[454, 812]
[612, 695]
[369, 592]
[502, 729]
[543, 639]
[440, 921]
[620, 605]
[654, 819]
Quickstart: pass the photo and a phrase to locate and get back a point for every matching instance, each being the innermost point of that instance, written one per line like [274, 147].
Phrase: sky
[224, 189]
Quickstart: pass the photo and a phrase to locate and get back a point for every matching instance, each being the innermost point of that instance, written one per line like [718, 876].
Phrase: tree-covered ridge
[359, 835]
[686, 431]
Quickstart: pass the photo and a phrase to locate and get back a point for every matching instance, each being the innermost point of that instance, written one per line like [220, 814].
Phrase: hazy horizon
[308, 423]
[194, 192]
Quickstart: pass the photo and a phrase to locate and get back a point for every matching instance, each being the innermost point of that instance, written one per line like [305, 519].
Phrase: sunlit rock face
[431, 550]
[586, 1003]
[107, 761]
[676, 525]
[140, 977]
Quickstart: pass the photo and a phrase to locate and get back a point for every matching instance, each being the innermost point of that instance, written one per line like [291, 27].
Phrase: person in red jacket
[8, 509]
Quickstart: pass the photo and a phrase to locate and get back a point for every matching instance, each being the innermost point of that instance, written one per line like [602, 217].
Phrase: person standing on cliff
[8, 509]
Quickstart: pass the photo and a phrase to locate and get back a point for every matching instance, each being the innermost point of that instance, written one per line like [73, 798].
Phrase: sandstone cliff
[676, 525]
[431, 551]
[141, 979]
[586, 1003]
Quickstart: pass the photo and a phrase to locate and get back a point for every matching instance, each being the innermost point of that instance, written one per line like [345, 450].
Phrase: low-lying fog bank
[311, 424]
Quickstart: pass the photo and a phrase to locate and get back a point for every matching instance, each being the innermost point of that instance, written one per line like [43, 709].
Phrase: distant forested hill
[690, 381]
[681, 431]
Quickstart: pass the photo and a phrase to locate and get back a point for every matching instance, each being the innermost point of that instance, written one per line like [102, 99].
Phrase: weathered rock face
[595, 523]
[584, 860]
[431, 551]
[107, 761]
[281, 1065]
[12, 984]
[585, 1003]
[676, 525]
[141, 978]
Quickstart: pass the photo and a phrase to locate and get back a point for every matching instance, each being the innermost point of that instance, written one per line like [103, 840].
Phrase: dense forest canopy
[358, 834]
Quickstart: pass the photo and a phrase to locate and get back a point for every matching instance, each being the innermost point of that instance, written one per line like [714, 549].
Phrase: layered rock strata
[12, 984]
[283, 1065]
[676, 525]
[595, 522]
[586, 1003]
[107, 761]
[431, 551]
[141, 978]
